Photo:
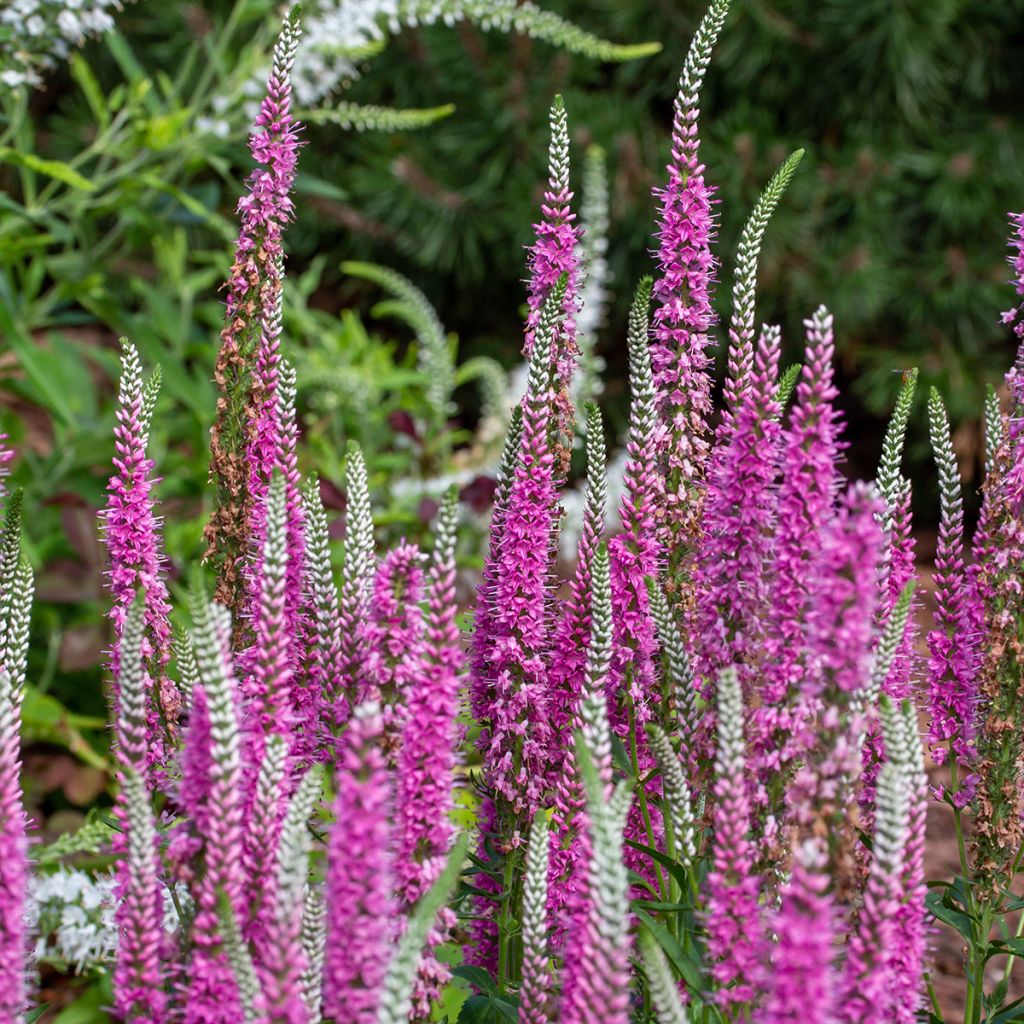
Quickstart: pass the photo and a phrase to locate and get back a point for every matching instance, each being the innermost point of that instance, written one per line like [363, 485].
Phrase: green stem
[503, 922]
[936, 1008]
[642, 793]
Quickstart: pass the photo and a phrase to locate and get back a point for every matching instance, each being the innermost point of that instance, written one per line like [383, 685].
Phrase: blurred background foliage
[119, 176]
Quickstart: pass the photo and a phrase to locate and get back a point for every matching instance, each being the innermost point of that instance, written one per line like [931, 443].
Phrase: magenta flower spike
[267, 685]
[262, 454]
[361, 908]
[427, 758]
[565, 681]
[138, 974]
[394, 639]
[288, 466]
[866, 989]
[807, 493]
[952, 668]
[282, 959]
[910, 929]
[800, 979]
[14, 869]
[733, 560]
[213, 996]
[733, 917]
[131, 531]
[508, 689]
[481, 671]
[240, 440]
[635, 554]
[515, 730]
[553, 255]
[596, 971]
[841, 623]
[683, 313]
[324, 684]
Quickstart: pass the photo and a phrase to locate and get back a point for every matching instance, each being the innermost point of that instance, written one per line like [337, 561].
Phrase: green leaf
[687, 965]
[476, 976]
[86, 1010]
[43, 717]
[90, 86]
[956, 919]
[56, 169]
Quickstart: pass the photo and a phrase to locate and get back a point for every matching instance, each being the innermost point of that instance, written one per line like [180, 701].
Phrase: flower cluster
[705, 747]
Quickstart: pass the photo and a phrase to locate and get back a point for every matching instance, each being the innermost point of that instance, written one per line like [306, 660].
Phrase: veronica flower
[393, 636]
[593, 256]
[514, 737]
[282, 958]
[841, 623]
[138, 973]
[565, 681]
[6, 458]
[807, 492]
[572, 849]
[481, 674]
[596, 975]
[131, 533]
[733, 917]
[14, 870]
[800, 978]
[267, 687]
[356, 584]
[732, 570]
[216, 807]
[252, 304]
[359, 874]
[683, 312]
[909, 934]
[324, 685]
[897, 492]
[634, 554]
[866, 986]
[552, 257]
[952, 688]
[428, 755]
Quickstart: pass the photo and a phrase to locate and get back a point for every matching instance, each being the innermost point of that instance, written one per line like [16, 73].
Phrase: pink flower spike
[807, 494]
[361, 909]
[131, 532]
[213, 996]
[683, 312]
[429, 753]
[841, 624]
[867, 985]
[800, 979]
[139, 971]
[552, 256]
[394, 637]
[732, 568]
[952, 683]
[733, 920]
